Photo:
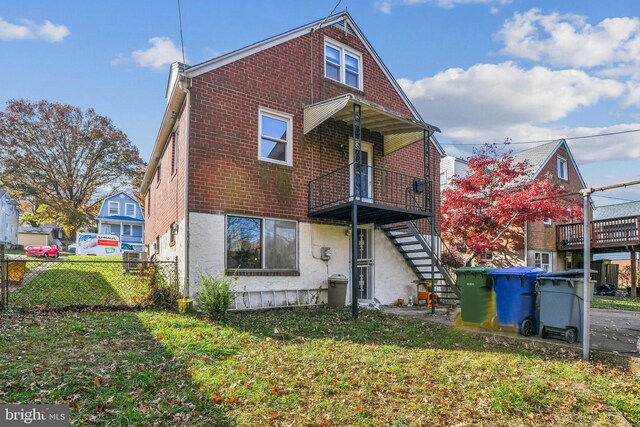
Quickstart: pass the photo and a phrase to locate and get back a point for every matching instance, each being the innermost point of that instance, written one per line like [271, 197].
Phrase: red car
[42, 251]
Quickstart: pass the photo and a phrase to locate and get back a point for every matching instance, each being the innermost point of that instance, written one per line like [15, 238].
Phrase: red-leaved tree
[485, 210]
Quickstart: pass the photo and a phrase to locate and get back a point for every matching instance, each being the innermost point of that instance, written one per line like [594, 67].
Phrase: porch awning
[398, 131]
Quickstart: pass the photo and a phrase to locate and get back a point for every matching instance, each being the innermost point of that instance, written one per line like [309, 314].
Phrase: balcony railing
[369, 184]
[607, 233]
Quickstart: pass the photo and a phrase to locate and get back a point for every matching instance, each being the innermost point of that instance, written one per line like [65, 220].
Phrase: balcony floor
[369, 213]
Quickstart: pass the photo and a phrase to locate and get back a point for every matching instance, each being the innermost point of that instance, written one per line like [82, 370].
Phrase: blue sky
[481, 70]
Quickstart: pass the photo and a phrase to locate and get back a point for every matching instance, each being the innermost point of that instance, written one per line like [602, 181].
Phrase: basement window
[261, 244]
[342, 64]
[542, 260]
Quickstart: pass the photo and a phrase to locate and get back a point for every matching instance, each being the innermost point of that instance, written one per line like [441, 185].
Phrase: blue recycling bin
[516, 299]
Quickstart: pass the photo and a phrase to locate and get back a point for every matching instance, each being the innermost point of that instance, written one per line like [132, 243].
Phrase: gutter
[187, 90]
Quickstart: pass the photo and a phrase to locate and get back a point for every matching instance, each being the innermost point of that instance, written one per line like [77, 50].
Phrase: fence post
[3, 280]
[176, 276]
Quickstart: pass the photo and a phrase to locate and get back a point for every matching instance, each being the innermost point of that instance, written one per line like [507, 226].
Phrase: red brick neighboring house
[538, 246]
[264, 155]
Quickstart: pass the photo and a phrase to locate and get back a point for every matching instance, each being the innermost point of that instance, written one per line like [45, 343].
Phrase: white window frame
[262, 243]
[288, 118]
[343, 66]
[126, 205]
[109, 208]
[547, 221]
[562, 167]
[487, 256]
[130, 230]
[541, 264]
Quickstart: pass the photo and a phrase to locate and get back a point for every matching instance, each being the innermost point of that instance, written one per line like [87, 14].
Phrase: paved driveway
[614, 331]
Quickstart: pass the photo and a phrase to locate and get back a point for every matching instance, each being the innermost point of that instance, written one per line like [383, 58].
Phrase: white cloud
[385, 6]
[29, 30]
[568, 40]
[161, 53]
[489, 95]
[588, 150]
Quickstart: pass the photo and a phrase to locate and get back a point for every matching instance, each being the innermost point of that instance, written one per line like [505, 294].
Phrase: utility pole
[588, 291]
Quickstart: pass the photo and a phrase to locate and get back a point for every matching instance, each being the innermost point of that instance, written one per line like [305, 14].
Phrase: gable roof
[540, 155]
[620, 210]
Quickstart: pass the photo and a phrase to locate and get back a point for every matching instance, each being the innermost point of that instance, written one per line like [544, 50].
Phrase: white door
[362, 187]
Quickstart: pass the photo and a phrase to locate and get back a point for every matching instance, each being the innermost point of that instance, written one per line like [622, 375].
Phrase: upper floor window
[130, 209]
[174, 151]
[562, 168]
[275, 142]
[158, 172]
[114, 208]
[548, 221]
[148, 203]
[343, 64]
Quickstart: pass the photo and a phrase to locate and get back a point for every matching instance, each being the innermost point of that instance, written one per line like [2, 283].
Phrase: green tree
[62, 160]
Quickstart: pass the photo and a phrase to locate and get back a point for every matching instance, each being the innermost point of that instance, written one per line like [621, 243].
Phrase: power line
[556, 139]
[613, 198]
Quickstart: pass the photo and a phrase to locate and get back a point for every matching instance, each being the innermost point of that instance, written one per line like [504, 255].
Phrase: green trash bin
[477, 301]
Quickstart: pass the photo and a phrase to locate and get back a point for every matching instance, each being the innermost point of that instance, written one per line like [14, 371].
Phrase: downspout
[187, 90]
[526, 243]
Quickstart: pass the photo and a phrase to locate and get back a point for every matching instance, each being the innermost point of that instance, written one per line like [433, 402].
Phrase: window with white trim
[126, 230]
[275, 137]
[130, 209]
[114, 208]
[342, 64]
[548, 221]
[562, 168]
[487, 256]
[542, 260]
[261, 244]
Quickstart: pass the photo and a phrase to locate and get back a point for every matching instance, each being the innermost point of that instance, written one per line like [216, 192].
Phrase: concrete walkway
[613, 331]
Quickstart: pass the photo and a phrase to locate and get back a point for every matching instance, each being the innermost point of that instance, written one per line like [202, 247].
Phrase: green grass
[106, 366]
[320, 368]
[616, 303]
[66, 284]
[14, 252]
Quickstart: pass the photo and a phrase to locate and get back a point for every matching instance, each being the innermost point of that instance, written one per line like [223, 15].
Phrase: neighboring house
[449, 167]
[44, 235]
[8, 219]
[121, 215]
[253, 172]
[616, 232]
[537, 247]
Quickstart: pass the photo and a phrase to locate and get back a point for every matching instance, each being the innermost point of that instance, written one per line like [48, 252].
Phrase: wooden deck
[606, 235]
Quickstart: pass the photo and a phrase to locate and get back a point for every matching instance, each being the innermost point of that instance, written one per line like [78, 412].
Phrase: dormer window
[130, 209]
[343, 64]
[114, 208]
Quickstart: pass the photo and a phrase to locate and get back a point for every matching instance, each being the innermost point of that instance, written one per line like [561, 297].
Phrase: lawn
[90, 281]
[616, 303]
[300, 367]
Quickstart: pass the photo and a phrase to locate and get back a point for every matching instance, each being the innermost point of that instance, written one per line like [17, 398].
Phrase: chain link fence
[34, 283]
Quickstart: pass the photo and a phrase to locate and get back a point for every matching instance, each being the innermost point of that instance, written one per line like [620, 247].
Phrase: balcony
[383, 196]
[606, 235]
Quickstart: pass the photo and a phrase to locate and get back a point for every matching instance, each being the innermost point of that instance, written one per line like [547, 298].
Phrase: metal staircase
[419, 255]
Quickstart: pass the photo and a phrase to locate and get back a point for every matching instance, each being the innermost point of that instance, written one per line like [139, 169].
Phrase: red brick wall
[167, 195]
[543, 237]
[225, 174]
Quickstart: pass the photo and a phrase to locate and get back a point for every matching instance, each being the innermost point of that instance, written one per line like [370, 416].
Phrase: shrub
[214, 298]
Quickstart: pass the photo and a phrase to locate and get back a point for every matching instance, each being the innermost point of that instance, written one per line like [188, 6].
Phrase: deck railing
[370, 184]
[607, 233]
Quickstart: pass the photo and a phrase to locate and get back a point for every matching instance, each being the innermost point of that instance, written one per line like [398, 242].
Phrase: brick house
[269, 156]
[537, 246]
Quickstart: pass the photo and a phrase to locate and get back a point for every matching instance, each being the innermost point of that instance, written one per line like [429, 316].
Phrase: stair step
[394, 227]
[402, 236]
[413, 251]
[417, 258]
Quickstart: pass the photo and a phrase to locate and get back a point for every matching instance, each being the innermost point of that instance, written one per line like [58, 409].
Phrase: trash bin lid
[577, 273]
[479, 270]
[517, 271]
[338, 278]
